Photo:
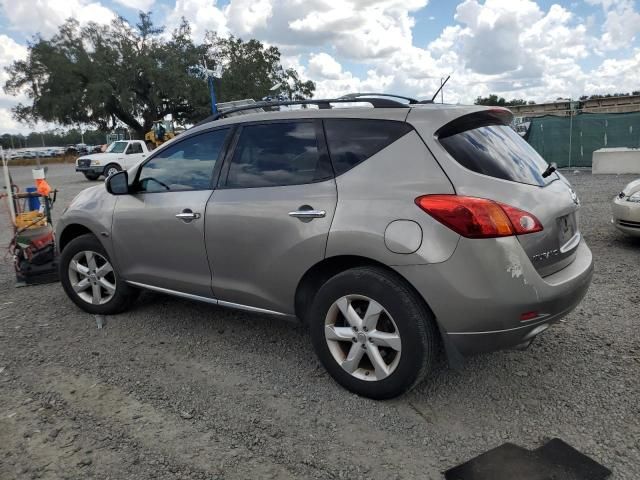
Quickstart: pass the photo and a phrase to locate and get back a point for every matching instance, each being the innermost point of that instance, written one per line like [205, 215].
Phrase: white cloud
[143, 5]
[324, 66]
[621, 25]
[10, 51]
[515, 48]
[358, 29]
[203, 15]
[615, 75]
[245, 16]
[510, 47]
[44, 17]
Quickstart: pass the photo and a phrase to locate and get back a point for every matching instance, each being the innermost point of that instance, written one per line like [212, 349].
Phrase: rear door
[495, 162]
[158, 231]
[268, 221]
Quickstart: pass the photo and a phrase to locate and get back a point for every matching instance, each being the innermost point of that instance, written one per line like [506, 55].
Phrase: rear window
[497, 151]
[277, 154]
[351, 140]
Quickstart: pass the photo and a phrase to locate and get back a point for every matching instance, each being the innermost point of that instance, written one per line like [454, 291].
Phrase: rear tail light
[474, 217]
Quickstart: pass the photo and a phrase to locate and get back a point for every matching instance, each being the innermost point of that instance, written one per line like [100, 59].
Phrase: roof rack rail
[324, 103]
[375, 94]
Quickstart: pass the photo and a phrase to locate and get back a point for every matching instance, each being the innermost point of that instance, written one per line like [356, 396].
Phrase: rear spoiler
[482, 118]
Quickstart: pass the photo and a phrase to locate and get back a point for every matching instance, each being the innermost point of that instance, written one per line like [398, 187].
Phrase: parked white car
[119, 156]
[626, 209]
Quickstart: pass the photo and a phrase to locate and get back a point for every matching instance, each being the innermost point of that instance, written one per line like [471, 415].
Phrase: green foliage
[118, 74]
[496, 101]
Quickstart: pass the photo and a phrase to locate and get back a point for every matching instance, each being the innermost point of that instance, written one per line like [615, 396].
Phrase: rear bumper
[479, 295]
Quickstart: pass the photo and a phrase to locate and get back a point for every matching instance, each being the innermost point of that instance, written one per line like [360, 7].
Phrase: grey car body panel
[247, 252]
[488, 283]
[549, 203]
[258, 253]
[154, 247]
[365, 212]
[92, 208]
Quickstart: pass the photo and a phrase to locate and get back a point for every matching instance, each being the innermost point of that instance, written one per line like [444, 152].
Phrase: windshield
[117, 147]
[498, 151]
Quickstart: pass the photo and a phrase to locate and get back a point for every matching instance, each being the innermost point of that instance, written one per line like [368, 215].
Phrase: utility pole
[570, 127]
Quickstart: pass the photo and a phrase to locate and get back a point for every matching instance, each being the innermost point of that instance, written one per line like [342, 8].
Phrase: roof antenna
[441, 86]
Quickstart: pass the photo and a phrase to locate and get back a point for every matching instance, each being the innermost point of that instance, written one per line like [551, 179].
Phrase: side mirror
[118, 183]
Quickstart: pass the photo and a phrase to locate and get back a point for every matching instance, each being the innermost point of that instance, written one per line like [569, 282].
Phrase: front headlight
[95, 162]
[635, 197]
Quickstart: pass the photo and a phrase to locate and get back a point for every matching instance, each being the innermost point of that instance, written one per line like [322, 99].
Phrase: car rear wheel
[372, 333]
[111, 169]
[91, 176]
[90, 280]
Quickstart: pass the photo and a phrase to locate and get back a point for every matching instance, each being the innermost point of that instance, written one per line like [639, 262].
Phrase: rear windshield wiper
[552, 167]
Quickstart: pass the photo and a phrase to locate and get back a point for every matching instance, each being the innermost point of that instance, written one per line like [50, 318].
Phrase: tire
[405, 323]
[108, 302]
[111, 169]
[91, 176]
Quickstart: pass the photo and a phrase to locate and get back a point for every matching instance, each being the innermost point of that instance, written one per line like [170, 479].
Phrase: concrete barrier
[616, 161]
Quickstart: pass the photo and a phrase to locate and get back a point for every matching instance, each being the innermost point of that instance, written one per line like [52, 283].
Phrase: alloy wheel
[92, 277]
[362, 337]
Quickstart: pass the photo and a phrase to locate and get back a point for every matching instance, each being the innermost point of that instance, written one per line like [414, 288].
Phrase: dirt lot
[184, 390]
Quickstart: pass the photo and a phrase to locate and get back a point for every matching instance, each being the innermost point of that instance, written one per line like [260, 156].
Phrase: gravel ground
[175, 389]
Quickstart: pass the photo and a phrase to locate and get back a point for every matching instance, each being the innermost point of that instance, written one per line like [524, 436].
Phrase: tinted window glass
[352, 141]
[117, 147]
[134, 148]
[498, 151]
[187, 165]
[275, 154]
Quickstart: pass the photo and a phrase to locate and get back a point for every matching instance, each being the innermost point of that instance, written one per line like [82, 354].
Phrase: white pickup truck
[120, 155]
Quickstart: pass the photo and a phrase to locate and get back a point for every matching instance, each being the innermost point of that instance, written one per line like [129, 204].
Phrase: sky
[534, 49]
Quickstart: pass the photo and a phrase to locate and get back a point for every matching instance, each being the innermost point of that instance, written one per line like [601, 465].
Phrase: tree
[104, 76]
[250, 70]
[495, 101]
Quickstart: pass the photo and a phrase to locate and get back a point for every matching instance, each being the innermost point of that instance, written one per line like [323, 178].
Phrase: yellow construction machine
[161, 131]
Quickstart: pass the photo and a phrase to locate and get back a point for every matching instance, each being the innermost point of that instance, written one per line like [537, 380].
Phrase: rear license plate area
[566, 228]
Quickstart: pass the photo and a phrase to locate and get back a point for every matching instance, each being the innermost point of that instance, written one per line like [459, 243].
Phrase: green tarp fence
[571, 141]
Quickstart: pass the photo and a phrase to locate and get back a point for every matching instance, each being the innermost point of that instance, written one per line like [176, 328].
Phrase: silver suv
[394, 232]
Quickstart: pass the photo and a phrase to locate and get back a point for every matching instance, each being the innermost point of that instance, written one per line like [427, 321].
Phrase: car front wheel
[372, 333]
[91, 176]
[111, 169]
[90, 280]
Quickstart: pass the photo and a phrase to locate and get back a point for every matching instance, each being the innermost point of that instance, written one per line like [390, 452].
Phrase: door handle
[187, 215]
[308, 214]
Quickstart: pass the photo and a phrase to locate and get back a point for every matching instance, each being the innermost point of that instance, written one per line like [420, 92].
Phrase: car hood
[102, 156]
[632, 188]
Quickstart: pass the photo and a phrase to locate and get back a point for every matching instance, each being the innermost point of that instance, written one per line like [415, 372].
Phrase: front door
[158, 231]
[269, 221]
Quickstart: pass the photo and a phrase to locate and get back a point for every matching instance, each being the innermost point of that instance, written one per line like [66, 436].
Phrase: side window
[352, 140]
[134, 148]
[276, 154]
[186, 165]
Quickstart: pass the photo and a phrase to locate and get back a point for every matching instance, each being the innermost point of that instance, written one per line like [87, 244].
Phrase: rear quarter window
[352, 140]
[497, 151]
